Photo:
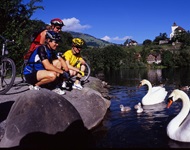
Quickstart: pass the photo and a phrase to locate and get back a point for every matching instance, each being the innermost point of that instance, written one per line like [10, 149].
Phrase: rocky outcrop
[53, 119]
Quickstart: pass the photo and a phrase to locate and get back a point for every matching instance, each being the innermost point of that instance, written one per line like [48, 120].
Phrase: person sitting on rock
[44, 66]
[75, 62]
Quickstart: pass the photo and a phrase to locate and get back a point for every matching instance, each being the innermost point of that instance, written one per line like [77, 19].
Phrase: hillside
[90, 40]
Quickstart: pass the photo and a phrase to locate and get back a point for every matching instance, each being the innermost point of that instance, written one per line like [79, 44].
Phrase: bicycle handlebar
[6, 40]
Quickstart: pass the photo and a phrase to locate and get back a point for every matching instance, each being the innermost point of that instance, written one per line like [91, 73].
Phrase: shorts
[31, 78]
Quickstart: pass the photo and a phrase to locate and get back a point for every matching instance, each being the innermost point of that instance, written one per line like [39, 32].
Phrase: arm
[43, 37]
[63, 63]
[43, 55]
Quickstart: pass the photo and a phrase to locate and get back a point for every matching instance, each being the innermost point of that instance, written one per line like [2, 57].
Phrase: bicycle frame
[7, 68]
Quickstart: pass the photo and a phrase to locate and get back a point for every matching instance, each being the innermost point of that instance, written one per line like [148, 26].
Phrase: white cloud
[73, 24]
[116, 39]
[106, 38]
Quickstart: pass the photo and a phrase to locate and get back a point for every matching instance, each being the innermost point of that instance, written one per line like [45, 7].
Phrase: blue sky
[117, 20]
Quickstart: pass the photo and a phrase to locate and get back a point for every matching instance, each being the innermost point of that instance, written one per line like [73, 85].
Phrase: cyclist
[44, 66]
[39, 39]
[75, 62]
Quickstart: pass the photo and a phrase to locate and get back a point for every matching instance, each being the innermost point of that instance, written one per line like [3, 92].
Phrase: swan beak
[170, 101]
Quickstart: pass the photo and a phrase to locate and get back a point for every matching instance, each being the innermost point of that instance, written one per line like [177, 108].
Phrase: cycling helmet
[53, 36]
[78, 42]
[57, 22]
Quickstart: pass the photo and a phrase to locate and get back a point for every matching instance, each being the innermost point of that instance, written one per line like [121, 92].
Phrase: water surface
[147, 129]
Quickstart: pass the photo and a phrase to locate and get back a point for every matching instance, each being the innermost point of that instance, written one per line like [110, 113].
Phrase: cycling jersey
[73, 59]
[35, 60]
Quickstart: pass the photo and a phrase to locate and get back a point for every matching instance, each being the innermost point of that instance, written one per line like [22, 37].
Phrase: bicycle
[7, 68]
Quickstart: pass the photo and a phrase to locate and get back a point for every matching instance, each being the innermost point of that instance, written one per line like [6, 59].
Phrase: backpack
[35, 44]
[36, 33]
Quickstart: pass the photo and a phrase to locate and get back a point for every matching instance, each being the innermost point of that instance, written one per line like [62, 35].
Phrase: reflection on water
[147, 129]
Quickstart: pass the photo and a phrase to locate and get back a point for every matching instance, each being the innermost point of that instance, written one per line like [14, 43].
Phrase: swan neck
[149, 86]
[176, 122]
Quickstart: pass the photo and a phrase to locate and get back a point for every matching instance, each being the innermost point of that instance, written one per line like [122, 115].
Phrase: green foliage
[167, 59]
[16, 24]
[66, 42]
[147, 42]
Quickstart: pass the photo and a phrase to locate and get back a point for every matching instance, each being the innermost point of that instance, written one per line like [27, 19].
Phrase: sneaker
[59, 91]
[77, 86]
[64, 84]
[31, 87]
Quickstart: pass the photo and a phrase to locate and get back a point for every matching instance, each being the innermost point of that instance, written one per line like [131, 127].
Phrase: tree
[17, 24]
[147, 42]
[167, 59]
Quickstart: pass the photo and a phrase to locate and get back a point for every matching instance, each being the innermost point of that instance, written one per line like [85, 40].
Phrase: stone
[44, 119]
[38, 111]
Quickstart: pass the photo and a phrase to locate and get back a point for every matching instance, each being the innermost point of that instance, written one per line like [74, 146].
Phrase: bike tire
[87, 73]
[8, 75]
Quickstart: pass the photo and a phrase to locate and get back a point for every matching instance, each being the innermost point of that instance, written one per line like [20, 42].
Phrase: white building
[175, 28]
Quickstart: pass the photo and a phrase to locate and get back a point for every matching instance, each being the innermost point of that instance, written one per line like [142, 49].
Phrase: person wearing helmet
[39, 39]
[75, 62]
[44, 66]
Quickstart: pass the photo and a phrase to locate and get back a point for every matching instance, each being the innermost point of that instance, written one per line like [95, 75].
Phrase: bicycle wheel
[7, 75]
[86, 74]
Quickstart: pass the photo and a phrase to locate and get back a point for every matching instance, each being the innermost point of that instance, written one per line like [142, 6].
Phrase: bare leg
[44, 77]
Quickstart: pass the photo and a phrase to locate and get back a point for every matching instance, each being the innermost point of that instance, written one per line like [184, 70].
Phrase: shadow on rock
[75, 136]
[4, 109]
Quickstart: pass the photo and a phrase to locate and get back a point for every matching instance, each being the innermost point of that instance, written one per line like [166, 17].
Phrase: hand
[66, 75]
[82, 73]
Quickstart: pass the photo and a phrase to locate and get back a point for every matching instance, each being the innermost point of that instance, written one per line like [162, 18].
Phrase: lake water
[147, 129]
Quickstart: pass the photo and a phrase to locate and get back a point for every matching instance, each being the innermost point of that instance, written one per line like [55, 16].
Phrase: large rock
[90, 104]
[38, 111]
[38, 118]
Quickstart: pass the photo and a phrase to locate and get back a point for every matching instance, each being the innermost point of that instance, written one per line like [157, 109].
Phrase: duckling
[124, 108]
[137, 105]
[139, 109]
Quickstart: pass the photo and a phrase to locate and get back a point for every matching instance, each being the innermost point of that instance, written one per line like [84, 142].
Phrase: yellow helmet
[78, 42]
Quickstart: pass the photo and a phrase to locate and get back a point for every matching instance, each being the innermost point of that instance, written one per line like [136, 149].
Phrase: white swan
[124, 108]
[154, 95]
[179, 127]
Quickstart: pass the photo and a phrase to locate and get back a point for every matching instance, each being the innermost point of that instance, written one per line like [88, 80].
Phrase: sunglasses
[58, 28]
[78, 47]
[55, 41]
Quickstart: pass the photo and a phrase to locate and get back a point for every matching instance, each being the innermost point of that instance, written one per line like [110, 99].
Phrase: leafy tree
[185, 39]
[66, 41]
[167, 59]
[147, 42]
[144, 53]
[16, 25]
[112, 56]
